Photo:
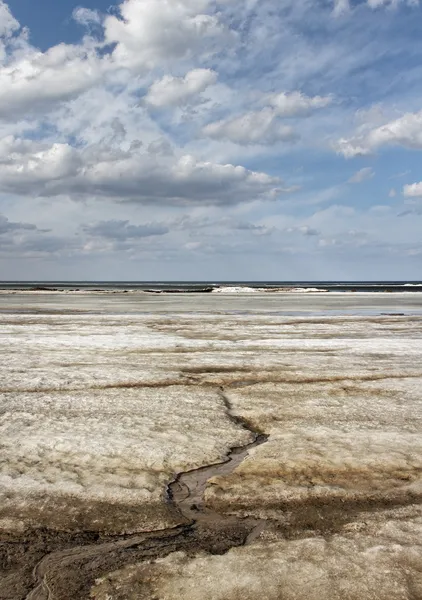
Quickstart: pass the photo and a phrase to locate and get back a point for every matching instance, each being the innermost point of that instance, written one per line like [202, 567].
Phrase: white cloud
[265, 126]
[413, 190]
[256, 127]
[148, 33]
[392, 193]
[11, 36]
[37, 80]
[296, 104]
[8, 23]
[392, 3]
[341, 7]
[76, 124]
[405, 131]
[142, 177]
[86, 16]
[151, 32]
[27, 166]
[362, 175]
[177, 91]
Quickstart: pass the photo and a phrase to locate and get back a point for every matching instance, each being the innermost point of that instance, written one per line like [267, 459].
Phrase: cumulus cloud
[151, 32]
[8, 23]
[362, 175]
[35, 81]
[27, 166]
[413, 190]
[177, 91]
[257, 127]
[37, 169]
[405, 131]
[265, 126]
[79, 121]
[145, 34]
[296, 104]
[123, 230]
[12, 37]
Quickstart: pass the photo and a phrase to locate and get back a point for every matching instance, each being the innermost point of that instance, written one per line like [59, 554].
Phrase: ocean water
[216, 286]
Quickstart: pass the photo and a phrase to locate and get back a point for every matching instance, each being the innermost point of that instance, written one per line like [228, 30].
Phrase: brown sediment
[192, 380]
[187, 491]
[52, 565]
[49, 565]
[319, 516]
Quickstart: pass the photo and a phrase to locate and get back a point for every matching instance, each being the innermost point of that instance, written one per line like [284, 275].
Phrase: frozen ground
[104, 398]
[382, 561]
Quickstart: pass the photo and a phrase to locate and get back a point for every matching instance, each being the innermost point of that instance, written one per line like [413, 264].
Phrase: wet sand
[143, 441]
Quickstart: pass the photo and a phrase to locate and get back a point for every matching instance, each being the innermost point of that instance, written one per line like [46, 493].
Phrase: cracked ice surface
[344, 421]
[100, 459]
[102, 401]
[96, 418]
[382, 561]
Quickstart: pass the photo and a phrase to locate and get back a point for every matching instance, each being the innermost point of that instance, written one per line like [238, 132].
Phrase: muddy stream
[69, 566]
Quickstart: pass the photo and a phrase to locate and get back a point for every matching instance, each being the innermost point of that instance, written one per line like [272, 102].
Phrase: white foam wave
[236, 290]
[305, 290]
[249, 290]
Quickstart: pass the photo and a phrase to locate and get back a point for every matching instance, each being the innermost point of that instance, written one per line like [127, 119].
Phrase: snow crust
[105, 452]
[344, 416]
[103, 402]
[377, 561]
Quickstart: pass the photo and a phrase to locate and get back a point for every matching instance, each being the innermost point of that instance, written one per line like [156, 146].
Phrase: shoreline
[214, 291]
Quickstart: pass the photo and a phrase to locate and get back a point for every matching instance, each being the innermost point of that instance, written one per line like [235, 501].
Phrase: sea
[215, 286]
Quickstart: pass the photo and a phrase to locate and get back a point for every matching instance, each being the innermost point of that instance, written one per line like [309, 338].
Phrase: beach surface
[211, 446]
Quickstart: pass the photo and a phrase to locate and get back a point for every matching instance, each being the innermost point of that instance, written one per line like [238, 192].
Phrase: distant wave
[250, 290]
[205, 290]
[214, 287]
[237, 290]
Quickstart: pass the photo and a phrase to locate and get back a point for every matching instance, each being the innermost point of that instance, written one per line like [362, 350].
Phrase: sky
[210, 140]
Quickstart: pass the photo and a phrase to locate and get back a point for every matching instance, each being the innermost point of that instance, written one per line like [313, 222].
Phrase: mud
[47, 565]
[327, 385]
[44, 565]
[187, 491]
